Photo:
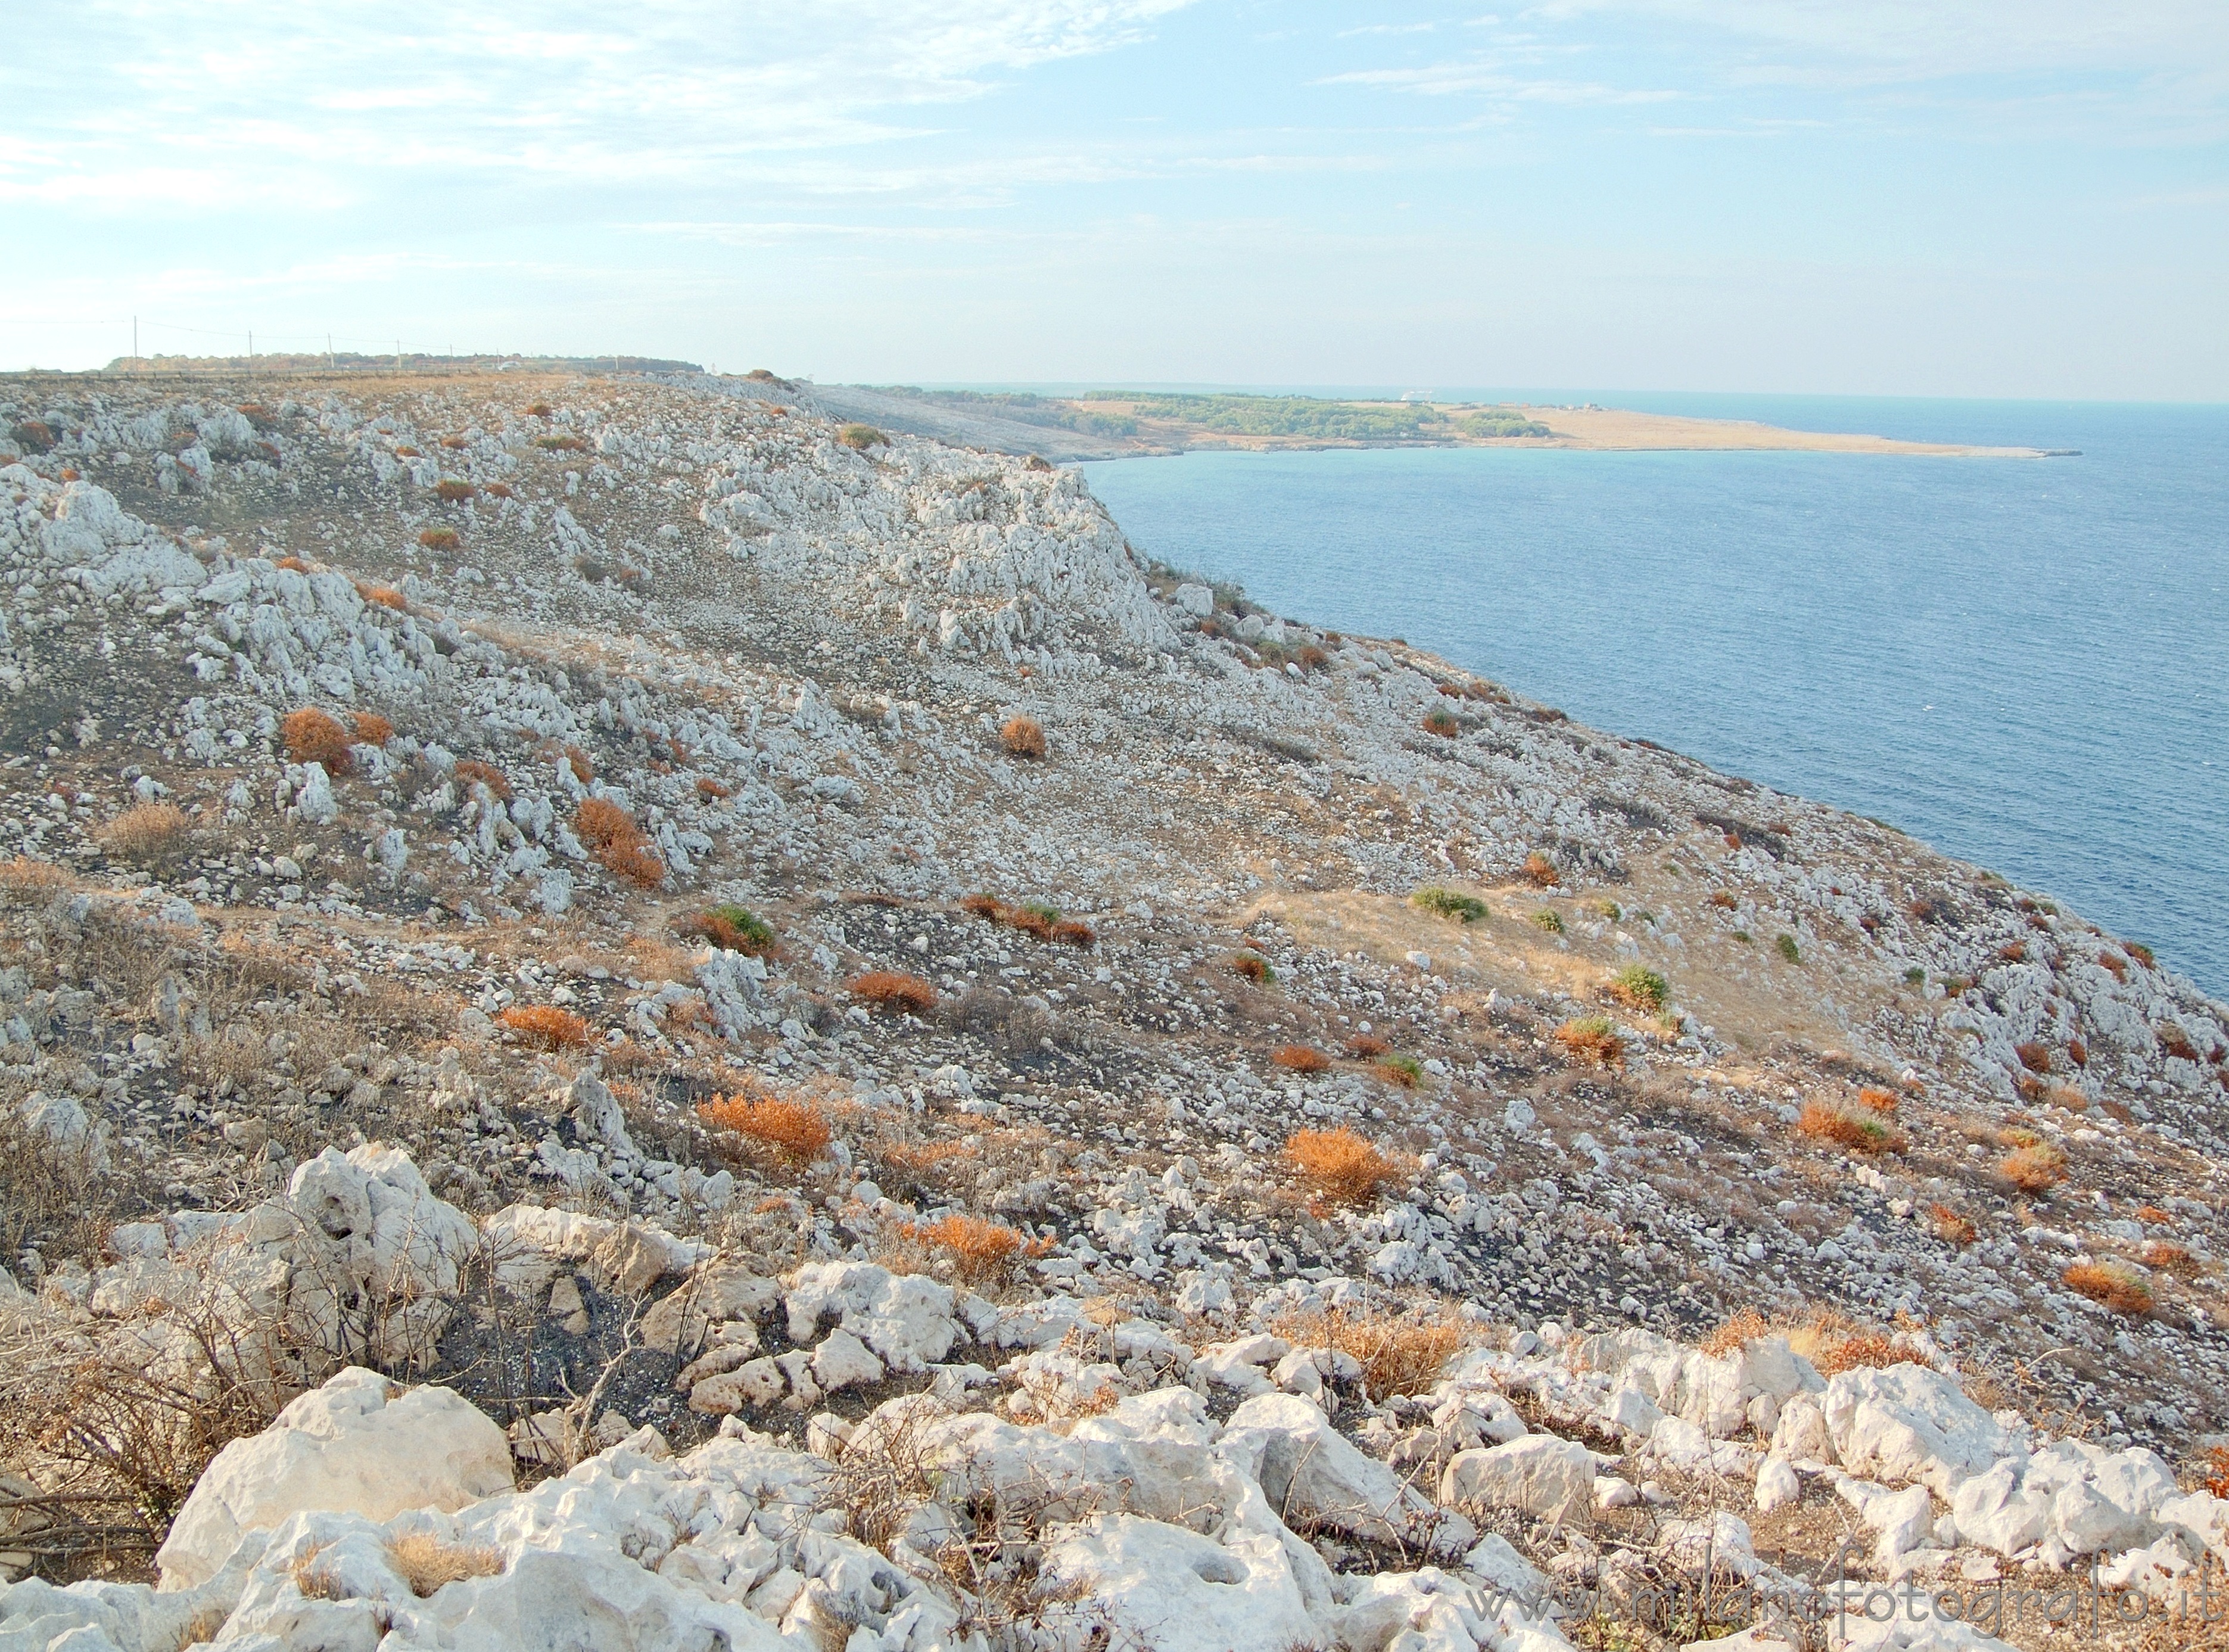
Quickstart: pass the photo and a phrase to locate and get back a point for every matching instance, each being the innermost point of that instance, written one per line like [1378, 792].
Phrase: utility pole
[330, 366]
[398, 355]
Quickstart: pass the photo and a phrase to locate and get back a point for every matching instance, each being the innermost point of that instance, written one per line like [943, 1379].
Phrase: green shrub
[862, 437]
[1915, 976]
[1553, 922]
[1787, 948]
[1448, 903]
[736, 928]
[1641, 987]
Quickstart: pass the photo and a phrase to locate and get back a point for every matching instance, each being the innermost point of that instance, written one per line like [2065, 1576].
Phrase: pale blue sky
[1964, 198]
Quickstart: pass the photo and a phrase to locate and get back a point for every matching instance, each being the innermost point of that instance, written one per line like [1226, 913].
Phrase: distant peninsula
[1116, 424]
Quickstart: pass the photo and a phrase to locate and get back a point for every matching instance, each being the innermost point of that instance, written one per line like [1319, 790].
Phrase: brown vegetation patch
[1540, 871]
[2036, 1167]
[2114, 1284]
[1300, 1058]
[472, 772]
[314, 736]
[428, 1564]
[1023, 737]
[1399, 1353]
[1340, 1165]
[557, 1029]
[145, 832]
[798, 1130]
[1591, 1039]
[887, 989]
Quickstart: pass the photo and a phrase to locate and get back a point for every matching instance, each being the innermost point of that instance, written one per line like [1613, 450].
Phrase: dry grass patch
[1860, 1130]
[1367, 1046]
[145, 832]
[471, 772]
[798, 1130]
[315, 737]
[1835, 1343]
[371, 729]
[1340, 1165]
[1300, 1058]
[886, 989]
[980, 1252]
[1406, 1071]
[440, 538]
[2033, 1167]
[2114, 1285]
[1023, 737]
[618, 843]
[1540, 871]
[1880, 1100]
[2161, 1256]
[450, 490]
[1950, 1227]
[1399, 1353]
[1591, 1039]
[1736, 1334]
[1254, 967]
[556, 1029]
[735, 929]
[1442, 722]
[428, 1564]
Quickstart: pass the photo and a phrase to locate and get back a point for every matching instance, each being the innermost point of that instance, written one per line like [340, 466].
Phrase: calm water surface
[2020, 661]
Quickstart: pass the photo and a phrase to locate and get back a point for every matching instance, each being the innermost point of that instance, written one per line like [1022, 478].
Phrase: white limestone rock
[360, 1443]
[1907, 1423]
[1539, 1474]
[907, 1319]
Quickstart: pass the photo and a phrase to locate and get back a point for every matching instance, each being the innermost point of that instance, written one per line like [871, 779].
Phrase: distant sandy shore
[1613, 429]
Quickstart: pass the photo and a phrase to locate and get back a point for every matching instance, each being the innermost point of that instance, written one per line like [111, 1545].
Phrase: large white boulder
[1539, 1474]
[907, 1319]
[1911, 1424]
[1307, 1469]
[377, 1256]
[1178, 1591]
[361, 1444]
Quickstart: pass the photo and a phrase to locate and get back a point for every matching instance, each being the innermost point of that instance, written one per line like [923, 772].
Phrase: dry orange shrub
[1950, 1227]
[1366, 1046]
[798, 1130]
[24, 876]
[143, 831]
[1300, 1058]
[471, 771]
[382, 596]
[1590, 1038]
[1252, 965]
[1399, 1353]
[2117, 1286]
[886, 989]
[2035, 1168]
[2163, 1258]
[557, 1028]
[1023, 737]
[1540, 871]
[315, 737]
[438, 538]
[980, 1250]
[371, 729]
[1861, 1132]
[1736, 1334]
[1074, 932]
[451, 491]
[1833, 1343]
[1881, 1101]
[617, 842]
[1340, 1165]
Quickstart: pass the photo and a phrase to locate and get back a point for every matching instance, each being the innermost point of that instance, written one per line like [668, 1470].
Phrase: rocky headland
[634, 1017]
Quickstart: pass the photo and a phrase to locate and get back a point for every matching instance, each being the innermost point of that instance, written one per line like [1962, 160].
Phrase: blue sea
[2022, 662]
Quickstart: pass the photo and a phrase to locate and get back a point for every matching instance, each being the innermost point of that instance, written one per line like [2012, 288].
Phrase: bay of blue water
[2021, 662]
